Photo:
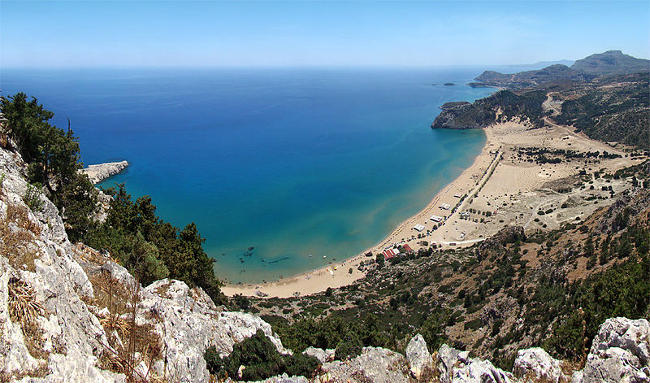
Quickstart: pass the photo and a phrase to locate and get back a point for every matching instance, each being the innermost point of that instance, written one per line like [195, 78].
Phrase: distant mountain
[586, 69]
[543, 64]
[611, 62]
[532, 78]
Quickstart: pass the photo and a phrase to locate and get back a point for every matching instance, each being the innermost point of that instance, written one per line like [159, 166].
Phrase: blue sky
[308, 33]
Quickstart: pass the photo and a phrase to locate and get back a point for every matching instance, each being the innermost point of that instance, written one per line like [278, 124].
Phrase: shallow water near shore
[283, 170]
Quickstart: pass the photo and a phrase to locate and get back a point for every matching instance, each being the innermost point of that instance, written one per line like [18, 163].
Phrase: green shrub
[349, 346]
[474, 324]
[261, 360]
[32, 197]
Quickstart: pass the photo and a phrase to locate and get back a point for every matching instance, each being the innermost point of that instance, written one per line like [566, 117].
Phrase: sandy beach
[499, 182]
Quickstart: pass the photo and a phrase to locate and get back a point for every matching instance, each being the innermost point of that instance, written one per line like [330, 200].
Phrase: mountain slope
[553, 73]
[611, 62]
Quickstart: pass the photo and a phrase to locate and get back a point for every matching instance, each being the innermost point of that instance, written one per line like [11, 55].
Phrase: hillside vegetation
[551, 289]
[616, 109]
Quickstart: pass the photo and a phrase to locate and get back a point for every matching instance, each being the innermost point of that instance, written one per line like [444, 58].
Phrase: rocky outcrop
[99, 172]
[377, 365]
[418, 356]
[323, 356]
[456, 367]
[509, 234]
[619, 353]
[537, 365]
[58, 321]
[462, 115]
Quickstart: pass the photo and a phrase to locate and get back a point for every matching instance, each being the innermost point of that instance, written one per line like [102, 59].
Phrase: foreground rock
[456, 367]
[619, 353]
[99, 172]
[418, 356]
[375, 364]
[58, 316]
[537, 365]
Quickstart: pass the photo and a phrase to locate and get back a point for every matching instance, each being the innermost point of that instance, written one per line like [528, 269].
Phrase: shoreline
[337, 274]
[501, 188]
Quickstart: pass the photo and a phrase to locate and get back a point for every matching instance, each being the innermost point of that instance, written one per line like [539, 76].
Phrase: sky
[68, 34]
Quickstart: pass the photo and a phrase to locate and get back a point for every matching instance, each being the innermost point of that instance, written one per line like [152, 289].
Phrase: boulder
[375, 364]
[480, 371]
[535, 364]
[418, 356]
[323, 356]
[620, 352]
[448, 359]
[456, 367]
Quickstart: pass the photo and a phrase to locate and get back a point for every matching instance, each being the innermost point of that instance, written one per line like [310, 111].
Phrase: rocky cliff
[71, 314]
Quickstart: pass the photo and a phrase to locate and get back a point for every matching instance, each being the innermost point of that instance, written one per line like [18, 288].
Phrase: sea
[283, 170]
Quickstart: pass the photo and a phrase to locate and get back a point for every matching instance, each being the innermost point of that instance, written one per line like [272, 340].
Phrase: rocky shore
[99, 172]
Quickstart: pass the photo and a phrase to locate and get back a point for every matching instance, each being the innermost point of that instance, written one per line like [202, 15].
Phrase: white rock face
[320, 354]
[418, 356]
[619, 353]
[70, 333]
[377, 365]
[99, 172]
[536, 364]
[455, 367]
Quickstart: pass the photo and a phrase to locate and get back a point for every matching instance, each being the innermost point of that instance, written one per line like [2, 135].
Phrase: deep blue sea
[290, 162]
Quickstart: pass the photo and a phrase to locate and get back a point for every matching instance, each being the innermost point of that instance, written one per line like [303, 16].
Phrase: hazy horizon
[315, 34]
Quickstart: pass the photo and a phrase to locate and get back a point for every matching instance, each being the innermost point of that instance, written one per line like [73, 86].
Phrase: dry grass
[38, 372]
[25, 309]
[17, 244]
[20, 215]
[125, 337]
[90, 255]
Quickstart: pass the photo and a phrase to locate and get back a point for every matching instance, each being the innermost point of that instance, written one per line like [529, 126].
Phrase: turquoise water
[288, 162]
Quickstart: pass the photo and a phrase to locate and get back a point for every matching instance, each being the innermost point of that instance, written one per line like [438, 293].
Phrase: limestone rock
[480, 371]
[99, 172]
[456, 367]
[376, 365]
[188, 323]
[68, 341]
[418, 356]
[448, 359]
[620, 352]
[320, 354]
[537, 365]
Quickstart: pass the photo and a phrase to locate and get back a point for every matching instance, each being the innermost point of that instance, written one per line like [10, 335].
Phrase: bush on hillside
[260, 359]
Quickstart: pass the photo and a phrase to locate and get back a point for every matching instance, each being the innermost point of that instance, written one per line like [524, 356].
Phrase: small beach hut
[436, 218]
[418, 227]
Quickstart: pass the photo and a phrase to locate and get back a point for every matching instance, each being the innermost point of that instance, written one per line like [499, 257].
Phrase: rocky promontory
[99, 172]
[462, 115]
